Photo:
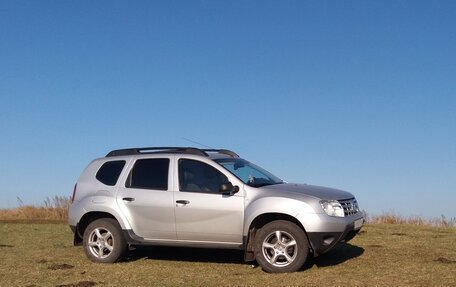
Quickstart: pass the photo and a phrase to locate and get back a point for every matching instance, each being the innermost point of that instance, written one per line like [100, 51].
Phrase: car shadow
[186, 254]
[338, 255]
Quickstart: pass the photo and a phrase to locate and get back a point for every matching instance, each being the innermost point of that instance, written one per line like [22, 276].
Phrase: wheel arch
[261, 220]
[85, 220]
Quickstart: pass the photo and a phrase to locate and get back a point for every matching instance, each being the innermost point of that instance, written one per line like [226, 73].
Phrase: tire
[103, 241]
[288, 254]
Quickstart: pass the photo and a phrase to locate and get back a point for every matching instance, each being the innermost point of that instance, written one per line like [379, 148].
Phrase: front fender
[300, 210]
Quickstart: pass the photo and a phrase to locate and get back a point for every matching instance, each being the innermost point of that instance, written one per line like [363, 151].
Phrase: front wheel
[103, 241]
[281, 246]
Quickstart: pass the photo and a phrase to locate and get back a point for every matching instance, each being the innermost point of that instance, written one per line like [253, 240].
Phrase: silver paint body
[208, 219]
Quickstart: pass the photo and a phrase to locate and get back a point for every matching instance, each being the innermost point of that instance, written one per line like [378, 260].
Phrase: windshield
[249, 173]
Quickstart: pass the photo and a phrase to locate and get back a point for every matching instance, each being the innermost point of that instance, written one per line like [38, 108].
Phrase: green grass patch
[382, 255]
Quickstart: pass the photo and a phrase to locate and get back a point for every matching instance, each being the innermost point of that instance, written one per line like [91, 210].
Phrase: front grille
[350, 206]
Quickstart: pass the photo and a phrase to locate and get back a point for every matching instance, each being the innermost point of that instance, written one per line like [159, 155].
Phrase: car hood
[310, 190]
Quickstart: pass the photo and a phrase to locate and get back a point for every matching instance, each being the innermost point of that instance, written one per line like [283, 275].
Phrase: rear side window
[149, 174]
[110, 171]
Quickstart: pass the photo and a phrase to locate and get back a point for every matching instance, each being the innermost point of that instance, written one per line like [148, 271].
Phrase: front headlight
[332, 208]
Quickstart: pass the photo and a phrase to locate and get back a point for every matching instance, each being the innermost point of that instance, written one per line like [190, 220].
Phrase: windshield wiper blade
[261, 184]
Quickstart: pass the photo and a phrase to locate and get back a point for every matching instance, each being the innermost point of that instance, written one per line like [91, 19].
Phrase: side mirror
[228, 187]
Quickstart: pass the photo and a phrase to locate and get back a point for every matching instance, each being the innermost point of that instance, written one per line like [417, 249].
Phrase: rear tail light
[74, 192]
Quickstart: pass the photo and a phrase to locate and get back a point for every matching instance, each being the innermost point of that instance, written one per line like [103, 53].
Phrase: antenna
[195, 142]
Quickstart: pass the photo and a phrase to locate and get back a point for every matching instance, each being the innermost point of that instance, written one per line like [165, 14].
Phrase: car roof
[211, 153]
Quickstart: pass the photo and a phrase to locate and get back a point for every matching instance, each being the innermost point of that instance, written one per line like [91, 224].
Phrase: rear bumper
[322, 242]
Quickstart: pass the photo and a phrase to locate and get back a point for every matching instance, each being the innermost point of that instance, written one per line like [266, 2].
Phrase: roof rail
[224, 151]
[146, 150]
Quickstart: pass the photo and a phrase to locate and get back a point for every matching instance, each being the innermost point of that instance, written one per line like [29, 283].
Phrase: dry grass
[394, 218]
[390, 251]
[382, 255]
[53, 209]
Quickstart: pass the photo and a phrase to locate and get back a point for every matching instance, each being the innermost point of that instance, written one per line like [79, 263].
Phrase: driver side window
[196, 176]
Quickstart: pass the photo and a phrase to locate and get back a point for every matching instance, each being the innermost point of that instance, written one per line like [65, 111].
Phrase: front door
[202, 213]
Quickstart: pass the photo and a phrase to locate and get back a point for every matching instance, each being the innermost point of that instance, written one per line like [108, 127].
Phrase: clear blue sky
[357, 95]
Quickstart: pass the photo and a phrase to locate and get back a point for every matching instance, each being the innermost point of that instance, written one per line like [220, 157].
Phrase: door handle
[128, 199]
[184, 202]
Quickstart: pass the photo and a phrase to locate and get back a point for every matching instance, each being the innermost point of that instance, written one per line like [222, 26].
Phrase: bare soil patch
[445, 260]
[60, 266]
[79, 284]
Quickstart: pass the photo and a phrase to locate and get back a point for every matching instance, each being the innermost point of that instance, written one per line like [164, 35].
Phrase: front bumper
[322, 242]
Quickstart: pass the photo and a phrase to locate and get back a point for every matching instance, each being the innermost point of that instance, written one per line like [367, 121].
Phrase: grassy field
[382, 255]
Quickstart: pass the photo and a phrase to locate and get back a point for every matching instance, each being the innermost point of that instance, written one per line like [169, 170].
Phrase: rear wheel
[281, 246]
[103, 241]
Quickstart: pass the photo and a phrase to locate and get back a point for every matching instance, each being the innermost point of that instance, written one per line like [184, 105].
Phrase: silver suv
[178, 196]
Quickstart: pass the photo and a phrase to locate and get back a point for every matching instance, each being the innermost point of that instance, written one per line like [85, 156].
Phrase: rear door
[146, 198]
